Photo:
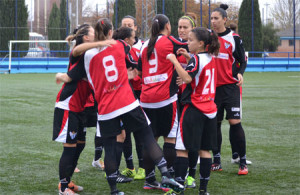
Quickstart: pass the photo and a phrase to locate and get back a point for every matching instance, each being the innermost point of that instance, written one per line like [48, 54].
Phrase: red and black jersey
[107, 75]
[137, 81]
[159, 86]
[201, 91]
[73, 95]
[231, 58]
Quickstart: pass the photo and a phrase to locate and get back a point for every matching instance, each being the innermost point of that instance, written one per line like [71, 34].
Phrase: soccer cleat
[172, 192]
[72, 187]
[172, 184]
[76, 170]
[216, 167]
[237, 161]
[98, 164]
[202, 192]
[154, 186]
[190, 182]
[243, 170]
[129, 172]
[67, 192]
[140, 174]
[123, 179]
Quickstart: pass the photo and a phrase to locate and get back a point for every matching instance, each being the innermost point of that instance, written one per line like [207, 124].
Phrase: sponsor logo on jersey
[235, 109]
[227, 45]
[112, 88]
[224, 56]
[236, 114]
[155, 78]
[73, 134]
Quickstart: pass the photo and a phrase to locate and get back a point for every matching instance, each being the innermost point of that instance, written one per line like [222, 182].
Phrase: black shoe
[171, 183]
[123, 179]
[203, 193]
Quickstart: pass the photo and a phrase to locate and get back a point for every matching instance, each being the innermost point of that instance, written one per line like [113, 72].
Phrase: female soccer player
[68, 125]
[107, 74]
[231, 66]
[198, 129]
[185, 25]
[159, 90]
[130, 22]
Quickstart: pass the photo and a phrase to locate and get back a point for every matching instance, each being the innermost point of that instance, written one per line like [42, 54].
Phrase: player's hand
[57, 78]
[179, 81]
[240, 79]
[132, 73]
[182, 51]
[171, 57]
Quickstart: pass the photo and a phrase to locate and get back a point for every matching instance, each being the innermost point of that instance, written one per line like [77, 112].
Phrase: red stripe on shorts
[64, 121]
[181, 120]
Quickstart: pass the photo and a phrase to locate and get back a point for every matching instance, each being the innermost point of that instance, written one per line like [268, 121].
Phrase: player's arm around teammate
[198, 119]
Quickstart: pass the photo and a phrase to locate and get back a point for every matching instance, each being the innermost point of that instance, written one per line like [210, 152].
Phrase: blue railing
[59, 64]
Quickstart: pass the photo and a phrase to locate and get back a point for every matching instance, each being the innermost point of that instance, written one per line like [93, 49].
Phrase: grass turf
[29, 159]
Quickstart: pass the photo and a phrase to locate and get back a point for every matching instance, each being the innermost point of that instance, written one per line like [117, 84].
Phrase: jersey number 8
[111, 71]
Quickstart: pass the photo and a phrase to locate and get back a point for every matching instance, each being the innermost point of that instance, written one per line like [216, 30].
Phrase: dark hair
[190, 17]
[102, 27]
[122, 33]
[233, 26]
[209, 38]
[78, 34]
[158, 24]
[222, 10]
[131, 17]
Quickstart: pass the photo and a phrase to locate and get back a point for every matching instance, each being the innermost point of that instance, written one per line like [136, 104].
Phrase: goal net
[36, 56]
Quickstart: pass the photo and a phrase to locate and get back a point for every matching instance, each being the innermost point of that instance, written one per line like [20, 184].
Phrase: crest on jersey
[227, 45]
[73, 134]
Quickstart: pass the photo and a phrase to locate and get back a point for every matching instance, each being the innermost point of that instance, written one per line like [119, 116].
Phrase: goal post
[38, 50]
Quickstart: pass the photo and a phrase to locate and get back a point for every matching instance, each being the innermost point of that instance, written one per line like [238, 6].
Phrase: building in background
[42, 9]
[287, 42]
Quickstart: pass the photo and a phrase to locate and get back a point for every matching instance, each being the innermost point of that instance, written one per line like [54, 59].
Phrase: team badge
[227, 45]
[73, 134]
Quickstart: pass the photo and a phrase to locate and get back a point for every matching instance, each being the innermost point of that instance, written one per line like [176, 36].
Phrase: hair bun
[224, 6]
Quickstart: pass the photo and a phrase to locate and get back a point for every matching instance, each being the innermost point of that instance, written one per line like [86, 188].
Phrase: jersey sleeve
[193, 66]
[130, 63]
[239, 54]
[126, 47]
[177, 43]
[139, 67]
[78, 71]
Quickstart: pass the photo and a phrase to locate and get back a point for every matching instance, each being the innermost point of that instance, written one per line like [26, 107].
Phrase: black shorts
[90, 116]
[229, 98]
[133, 120]
[196, 131]
[68, 126]
[164, 120]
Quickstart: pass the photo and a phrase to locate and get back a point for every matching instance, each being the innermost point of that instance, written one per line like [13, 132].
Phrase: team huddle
[177, 88]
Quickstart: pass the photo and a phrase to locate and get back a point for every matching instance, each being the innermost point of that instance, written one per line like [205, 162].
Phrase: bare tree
[283, 13]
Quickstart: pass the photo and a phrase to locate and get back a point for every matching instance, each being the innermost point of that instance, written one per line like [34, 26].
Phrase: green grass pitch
[271, 119]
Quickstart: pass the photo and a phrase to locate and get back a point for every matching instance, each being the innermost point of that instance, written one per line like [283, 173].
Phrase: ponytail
[210, 39]
[102, 27]
[158, 24]
[78, 34]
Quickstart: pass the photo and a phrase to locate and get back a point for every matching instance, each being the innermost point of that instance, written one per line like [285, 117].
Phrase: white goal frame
[28, 41]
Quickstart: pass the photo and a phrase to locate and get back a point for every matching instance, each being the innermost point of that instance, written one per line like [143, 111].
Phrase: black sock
[217, 153]
[110, 162]
[98, 147]
[205, 165]
[240, 141]
[181, 166]
[79, 149]
[119, 150]
[169, 153]
[127, 150]
[193, 159]
[232, 139]
[139, 151]
[66, 166]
